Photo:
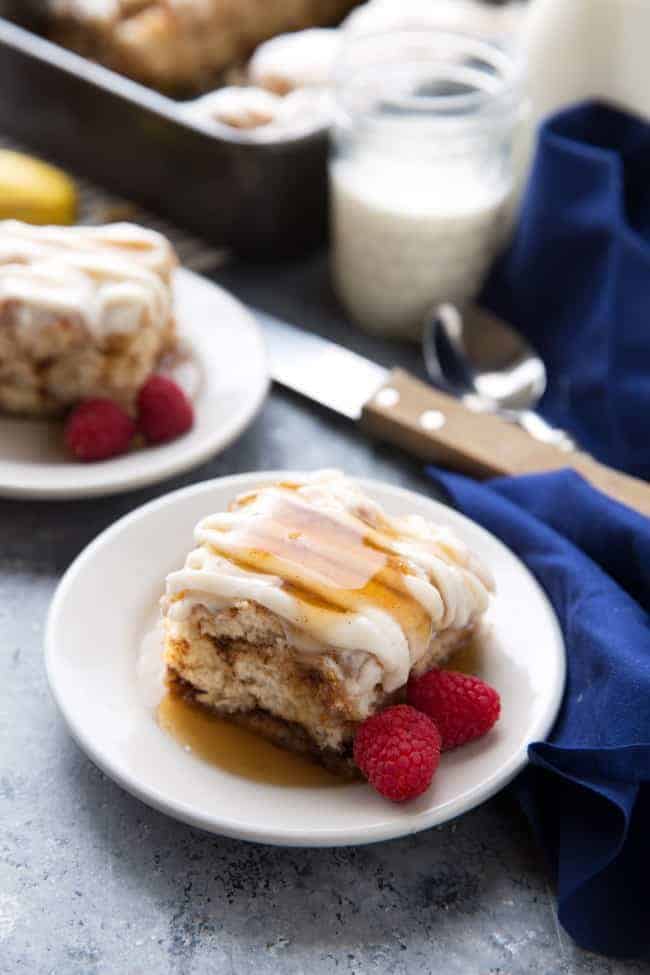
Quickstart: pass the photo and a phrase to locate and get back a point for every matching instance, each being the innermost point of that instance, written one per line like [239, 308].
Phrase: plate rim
[178, 463]
[291, 837]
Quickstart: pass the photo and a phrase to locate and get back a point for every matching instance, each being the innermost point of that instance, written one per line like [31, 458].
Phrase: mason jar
[421, 172]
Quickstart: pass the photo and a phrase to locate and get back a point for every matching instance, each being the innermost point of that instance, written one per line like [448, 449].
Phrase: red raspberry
[398, 751]
[97, 429]
[463, 707]
[164, 411]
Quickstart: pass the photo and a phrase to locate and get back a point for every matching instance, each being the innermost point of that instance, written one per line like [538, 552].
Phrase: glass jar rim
[489, 78]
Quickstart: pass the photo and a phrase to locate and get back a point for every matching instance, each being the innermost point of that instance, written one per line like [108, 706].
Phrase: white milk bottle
[421, 171]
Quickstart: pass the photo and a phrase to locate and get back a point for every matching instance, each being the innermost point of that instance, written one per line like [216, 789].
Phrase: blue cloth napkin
[587, 789]
[576, 280]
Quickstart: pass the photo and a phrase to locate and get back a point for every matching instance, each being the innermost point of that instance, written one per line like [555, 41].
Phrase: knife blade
[397, 408]
[319, 369]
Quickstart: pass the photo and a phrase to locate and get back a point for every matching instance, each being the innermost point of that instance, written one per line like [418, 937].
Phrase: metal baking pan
[260, 199]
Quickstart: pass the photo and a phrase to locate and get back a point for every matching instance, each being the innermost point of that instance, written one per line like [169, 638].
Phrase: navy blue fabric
[587, 789]
[576, 280]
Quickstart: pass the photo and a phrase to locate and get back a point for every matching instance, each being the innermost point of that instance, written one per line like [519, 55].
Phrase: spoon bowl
[474, 355]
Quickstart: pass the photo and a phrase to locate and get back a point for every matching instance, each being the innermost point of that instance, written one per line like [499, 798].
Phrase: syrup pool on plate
[237, 750]
[470, 657]
[214, 740]
[244, 753]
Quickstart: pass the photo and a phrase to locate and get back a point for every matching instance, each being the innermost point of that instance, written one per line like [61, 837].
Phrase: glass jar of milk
[421, 170]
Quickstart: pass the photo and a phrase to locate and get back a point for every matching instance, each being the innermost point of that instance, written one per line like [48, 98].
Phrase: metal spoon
[477, 357]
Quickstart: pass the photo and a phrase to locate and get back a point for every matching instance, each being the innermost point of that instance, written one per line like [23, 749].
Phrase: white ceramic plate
[228, 350]
[104, 605]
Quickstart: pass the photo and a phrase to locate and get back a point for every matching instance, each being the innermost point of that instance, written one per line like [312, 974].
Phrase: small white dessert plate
[104, 607]
[228, 354]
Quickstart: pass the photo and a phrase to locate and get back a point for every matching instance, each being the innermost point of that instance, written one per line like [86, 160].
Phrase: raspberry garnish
[97, 429]
[164, 411]
[398, 751]
[463, 707]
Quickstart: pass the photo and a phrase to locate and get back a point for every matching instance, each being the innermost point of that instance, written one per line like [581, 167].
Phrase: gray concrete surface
[92, 882]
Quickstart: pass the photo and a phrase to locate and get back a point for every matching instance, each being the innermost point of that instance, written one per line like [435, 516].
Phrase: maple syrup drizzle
[328, 564]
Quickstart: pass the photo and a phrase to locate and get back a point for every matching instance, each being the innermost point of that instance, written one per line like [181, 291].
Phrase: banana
[34, 191]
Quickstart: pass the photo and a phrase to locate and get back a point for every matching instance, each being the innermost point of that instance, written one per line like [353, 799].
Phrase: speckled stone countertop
[92, 882]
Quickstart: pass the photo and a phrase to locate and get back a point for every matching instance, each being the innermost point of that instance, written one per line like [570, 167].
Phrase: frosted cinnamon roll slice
[181, 45]
[304, 608]
[84, 312]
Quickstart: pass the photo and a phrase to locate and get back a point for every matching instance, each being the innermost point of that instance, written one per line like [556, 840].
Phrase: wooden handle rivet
[432, 420]
[440, 429]
[387, 397]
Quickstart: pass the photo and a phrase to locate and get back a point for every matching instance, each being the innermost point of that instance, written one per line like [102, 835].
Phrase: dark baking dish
[260, 199]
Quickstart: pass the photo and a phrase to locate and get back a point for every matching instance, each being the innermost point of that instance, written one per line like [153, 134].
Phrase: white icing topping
[237, 106]
[302, 59]
[106, 278]
[259, 114]
[92, 10]
[336, 570]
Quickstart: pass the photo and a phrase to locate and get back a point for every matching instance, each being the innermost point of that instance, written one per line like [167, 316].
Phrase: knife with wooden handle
[400, 409]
